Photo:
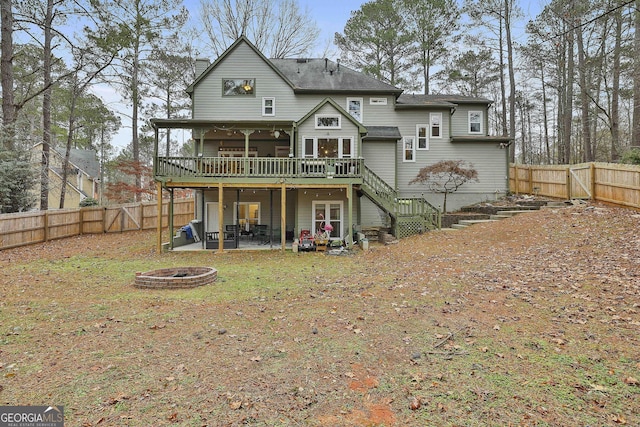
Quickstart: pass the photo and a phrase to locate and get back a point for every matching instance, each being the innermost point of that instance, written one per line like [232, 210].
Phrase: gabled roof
[325, 76]
[226, 53]
[341, 110]
[412, 100]
[85, 160]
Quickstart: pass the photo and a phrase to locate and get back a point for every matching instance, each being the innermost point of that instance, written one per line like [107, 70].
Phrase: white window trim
[361, 100]
[426, 137]
[431, 116]
[377, 101]
[481, 122]
[404, 142]
[305, 155]
[319, 116]
[264, 106]
[340, 139]
[328, 202]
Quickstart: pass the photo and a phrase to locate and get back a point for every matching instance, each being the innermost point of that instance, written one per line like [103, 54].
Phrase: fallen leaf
[235, 405]
[631, 381]
[415, 404]
[256, 359]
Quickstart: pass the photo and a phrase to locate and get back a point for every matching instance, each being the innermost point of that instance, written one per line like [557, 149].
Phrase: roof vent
[338, 61]
[302, 60]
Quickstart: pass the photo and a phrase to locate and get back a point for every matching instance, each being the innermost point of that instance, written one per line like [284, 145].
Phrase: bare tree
[446, 177]
[278, 28]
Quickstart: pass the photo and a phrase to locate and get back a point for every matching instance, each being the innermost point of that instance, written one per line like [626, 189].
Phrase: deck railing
[257, 167]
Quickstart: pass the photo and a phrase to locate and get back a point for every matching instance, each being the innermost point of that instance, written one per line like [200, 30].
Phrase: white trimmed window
[377, 101]
[268, 106]
[328, 121]
[423, 138]
[409, 149]
[475, 121]
[354, 107]
[336, 148]
[328, 212]
[436, 125]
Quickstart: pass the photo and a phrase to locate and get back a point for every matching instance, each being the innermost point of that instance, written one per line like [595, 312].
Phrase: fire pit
[176, 278]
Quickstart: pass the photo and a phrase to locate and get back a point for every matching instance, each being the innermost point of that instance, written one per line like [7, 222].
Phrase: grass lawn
[530, 321]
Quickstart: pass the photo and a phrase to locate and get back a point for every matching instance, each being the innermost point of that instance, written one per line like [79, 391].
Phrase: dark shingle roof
[84, 160]
[320, 75]
[383, 132]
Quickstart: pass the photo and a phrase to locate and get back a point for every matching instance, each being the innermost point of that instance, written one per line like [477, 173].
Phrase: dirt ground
[529, 321]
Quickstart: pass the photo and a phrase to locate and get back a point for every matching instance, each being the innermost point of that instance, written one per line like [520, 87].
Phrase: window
[436, 125]
[409, 147]
[268, 106]
[334, 148]
[423, 139]
[354, 107]
[377, 101]
[328, 121]
[328, 212]
[233, 87]
[246, 215]
[475, 121]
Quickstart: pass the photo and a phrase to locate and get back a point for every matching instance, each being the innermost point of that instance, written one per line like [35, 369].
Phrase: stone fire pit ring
[176, 278]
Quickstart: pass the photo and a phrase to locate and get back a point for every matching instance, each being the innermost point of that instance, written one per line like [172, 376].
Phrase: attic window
[233, 87]
[328, 121]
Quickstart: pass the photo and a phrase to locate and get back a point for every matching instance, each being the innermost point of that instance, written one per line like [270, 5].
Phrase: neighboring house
[83, 176]
[296, 143]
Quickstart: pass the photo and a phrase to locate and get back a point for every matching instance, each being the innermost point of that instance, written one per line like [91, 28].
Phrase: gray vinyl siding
[208, 102]
[487, 158]
[305, 199]
[380, 158]
[307, 129]
[460, 119]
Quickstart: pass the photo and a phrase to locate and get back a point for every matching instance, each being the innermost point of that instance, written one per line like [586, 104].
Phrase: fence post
[515, 174]
[568, 183]
[593, 181]
[81, 220]
[46, 226]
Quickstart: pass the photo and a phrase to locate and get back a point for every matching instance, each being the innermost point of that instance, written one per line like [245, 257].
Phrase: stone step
[499, 217]
[513, 212]
[458, 226]
[475, 221]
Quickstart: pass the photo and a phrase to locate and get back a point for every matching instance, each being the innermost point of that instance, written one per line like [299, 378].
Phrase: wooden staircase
[409, 215]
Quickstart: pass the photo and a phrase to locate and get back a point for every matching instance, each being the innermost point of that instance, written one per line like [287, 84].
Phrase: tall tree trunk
[6, 72]
[135, 96]
[46, 109]
[615, 90]
[587, 154]
[545, 119]
[503, 88]
[70, 133]
[512, 78]
[567, 113]
[635, 138]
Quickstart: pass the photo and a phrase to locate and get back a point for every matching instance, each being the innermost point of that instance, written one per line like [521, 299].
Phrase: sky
[331, 17]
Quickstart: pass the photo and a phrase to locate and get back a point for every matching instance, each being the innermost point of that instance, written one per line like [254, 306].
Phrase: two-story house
[286, 145]
[83, 175]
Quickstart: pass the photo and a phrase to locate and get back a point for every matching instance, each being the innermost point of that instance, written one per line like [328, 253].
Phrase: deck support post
[220, 218]
[159, 220]
[349, 190]
[283, 216]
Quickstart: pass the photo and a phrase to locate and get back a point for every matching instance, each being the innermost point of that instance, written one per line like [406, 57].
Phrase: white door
[212, 223]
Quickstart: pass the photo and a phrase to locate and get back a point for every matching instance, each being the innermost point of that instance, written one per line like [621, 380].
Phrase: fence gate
[581, 182]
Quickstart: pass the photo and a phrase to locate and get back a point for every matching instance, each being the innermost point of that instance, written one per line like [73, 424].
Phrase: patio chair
[261, 232]
[231, 231]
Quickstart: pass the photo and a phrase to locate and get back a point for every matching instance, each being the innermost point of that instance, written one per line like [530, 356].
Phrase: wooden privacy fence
[605, 182]
[26, 228]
